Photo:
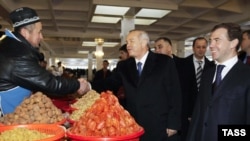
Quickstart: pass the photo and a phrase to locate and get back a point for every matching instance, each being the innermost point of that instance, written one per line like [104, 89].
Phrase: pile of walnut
[38, 108]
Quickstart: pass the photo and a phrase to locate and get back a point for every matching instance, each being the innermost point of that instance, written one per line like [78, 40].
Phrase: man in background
[120, 93]
[123, 52]
[59, 69]
[244, 54]
[192, 69]
[163, 45]
[102, 74]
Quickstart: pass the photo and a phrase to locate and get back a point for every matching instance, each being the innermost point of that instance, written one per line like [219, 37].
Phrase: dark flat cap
[23, 16]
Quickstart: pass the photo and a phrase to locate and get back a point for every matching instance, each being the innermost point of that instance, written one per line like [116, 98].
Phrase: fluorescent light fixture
[152, 13]
[111, 10]
[105, 44]
[83, 52]
[144, 21]
[110, 44]
[88, 43]
[103, 19]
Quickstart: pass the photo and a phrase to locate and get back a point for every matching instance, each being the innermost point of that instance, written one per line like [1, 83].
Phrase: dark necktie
[139, 68]
[218, 76]
[198, 74]
[248, 60]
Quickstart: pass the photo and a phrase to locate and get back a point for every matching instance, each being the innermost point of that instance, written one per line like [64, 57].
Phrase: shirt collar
[143, 59]
[196, 60]
[229, 63]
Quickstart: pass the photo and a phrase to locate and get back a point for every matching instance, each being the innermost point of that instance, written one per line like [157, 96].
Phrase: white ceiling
[67, 23]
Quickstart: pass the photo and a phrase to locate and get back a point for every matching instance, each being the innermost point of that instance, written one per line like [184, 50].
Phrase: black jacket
[19, 63]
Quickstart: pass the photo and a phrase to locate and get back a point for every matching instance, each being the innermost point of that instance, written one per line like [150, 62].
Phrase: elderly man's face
[135, 45]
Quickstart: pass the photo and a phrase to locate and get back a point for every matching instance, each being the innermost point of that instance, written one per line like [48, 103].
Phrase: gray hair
[143, 35]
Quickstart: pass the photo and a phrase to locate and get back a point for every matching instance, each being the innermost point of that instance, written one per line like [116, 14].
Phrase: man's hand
[171, 132]
[84, 86]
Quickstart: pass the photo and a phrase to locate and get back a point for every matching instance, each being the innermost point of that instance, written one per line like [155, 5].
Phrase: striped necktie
[198, 74]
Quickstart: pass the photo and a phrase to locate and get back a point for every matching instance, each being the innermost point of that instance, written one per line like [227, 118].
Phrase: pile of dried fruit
[38, 108]
[22, 134]
[83, 103]
[105, 118]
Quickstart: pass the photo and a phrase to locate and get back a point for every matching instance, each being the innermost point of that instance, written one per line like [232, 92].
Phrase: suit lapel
[133, 73]
[206, 65]
[206, 88]
[227, 81]
[191, 65]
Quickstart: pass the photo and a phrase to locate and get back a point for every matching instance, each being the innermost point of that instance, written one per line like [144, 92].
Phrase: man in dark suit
[102, 74]
[189, 82]
[226, 101]
[163, 45]
[244, 54]
[153, 97]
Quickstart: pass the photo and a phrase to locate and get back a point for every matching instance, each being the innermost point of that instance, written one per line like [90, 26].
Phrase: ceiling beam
[47, 47]
[166, 5]
[4, 11]
[52, 14]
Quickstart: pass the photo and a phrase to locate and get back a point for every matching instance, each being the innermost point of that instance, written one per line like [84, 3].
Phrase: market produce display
[83, 103]
[32, 132]
[38, 108]
[105, 118]
[22, 134]
[95, 116]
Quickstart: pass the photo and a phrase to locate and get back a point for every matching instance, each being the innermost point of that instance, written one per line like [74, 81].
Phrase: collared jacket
[19, 66]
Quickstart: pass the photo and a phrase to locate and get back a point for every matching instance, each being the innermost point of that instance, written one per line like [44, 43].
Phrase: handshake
[84, 86]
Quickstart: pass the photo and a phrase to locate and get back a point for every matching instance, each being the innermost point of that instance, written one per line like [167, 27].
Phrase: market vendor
[20, 72]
